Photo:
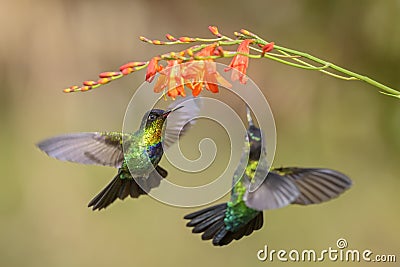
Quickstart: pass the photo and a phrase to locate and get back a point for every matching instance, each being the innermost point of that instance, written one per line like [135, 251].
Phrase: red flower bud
[170, 37]
[89, 83]
[109, 74]
[268, 47]
[214, 30]
[186, 39]
[132, 65]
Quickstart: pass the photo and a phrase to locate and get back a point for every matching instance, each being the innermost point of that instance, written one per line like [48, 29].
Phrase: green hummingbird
[141, 151]
[283, 186]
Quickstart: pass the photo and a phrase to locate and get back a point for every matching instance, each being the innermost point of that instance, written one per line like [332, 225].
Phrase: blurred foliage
[49, 45]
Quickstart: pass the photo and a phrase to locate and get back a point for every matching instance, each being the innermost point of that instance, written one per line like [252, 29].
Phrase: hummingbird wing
[153, 180]
[181, 120]
[273, 193]
[86, 148]
[316, 185]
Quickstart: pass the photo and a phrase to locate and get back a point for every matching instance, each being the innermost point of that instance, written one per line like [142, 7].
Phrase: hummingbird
[135, 155]
[243, 214]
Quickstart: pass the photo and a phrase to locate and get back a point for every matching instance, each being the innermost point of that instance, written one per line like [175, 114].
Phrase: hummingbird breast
[237, 213]
[142, 159]
[155, 153]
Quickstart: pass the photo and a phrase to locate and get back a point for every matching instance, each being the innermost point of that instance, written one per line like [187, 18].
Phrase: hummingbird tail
[210, 222]
[121, 188]
[117, 188]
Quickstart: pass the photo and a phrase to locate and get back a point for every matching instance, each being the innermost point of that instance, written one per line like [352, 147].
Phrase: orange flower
[152, 69]
[171, 78]
[212, 78]
[203, 73]
[214, 30]
[240, 62]
[195, 74]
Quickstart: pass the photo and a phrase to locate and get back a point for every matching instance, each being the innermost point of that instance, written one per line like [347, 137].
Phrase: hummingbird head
[153, 124]
[254, 135]
[157, 117]
[154, 116]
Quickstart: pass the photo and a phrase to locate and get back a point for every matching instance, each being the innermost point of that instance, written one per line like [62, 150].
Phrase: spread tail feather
[121, 188]
[210, 222]
[117, 188]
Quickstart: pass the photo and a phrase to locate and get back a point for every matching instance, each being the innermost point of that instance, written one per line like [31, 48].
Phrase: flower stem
[285, 55]
[353, 75]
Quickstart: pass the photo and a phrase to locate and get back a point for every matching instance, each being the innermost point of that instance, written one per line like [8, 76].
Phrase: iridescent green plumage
[244, 212]
[237, 213]
[136, 155]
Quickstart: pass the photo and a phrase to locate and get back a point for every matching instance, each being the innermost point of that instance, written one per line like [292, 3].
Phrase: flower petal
[152, 69]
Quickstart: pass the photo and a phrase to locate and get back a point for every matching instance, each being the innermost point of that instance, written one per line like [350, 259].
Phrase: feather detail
[87, 148]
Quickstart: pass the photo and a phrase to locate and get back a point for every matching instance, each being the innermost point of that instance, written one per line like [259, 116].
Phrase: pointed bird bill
[185, 111]
[106, 148]
[284, 186]
[166, 113]
[266, 191]
[257, 145]
[172, 110]
[248, 116]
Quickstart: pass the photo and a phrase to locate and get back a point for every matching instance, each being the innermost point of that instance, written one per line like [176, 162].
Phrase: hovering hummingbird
[136, 155]
[283, 186]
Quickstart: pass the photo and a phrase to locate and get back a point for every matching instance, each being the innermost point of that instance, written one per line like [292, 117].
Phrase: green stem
[327, 65]
[366, 79]
[386, 90]
[324, 71]
[285, 53]
[295, 58]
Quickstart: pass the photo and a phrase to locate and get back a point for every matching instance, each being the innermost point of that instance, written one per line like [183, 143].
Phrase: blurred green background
[321, 121]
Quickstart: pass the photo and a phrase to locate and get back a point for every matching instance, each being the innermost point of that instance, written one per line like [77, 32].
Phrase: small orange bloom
[195, 74]
[185, 39]
[240, 62]
[152, 69]
[170, 37]
[214, 30]
[171, 79]
[203, 73]
[133, 64]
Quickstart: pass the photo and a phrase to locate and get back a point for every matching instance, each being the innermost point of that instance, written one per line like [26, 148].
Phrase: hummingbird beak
[167, 112]
[248, 115]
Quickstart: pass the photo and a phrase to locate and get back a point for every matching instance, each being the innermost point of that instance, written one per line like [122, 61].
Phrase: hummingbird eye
[152, 117]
